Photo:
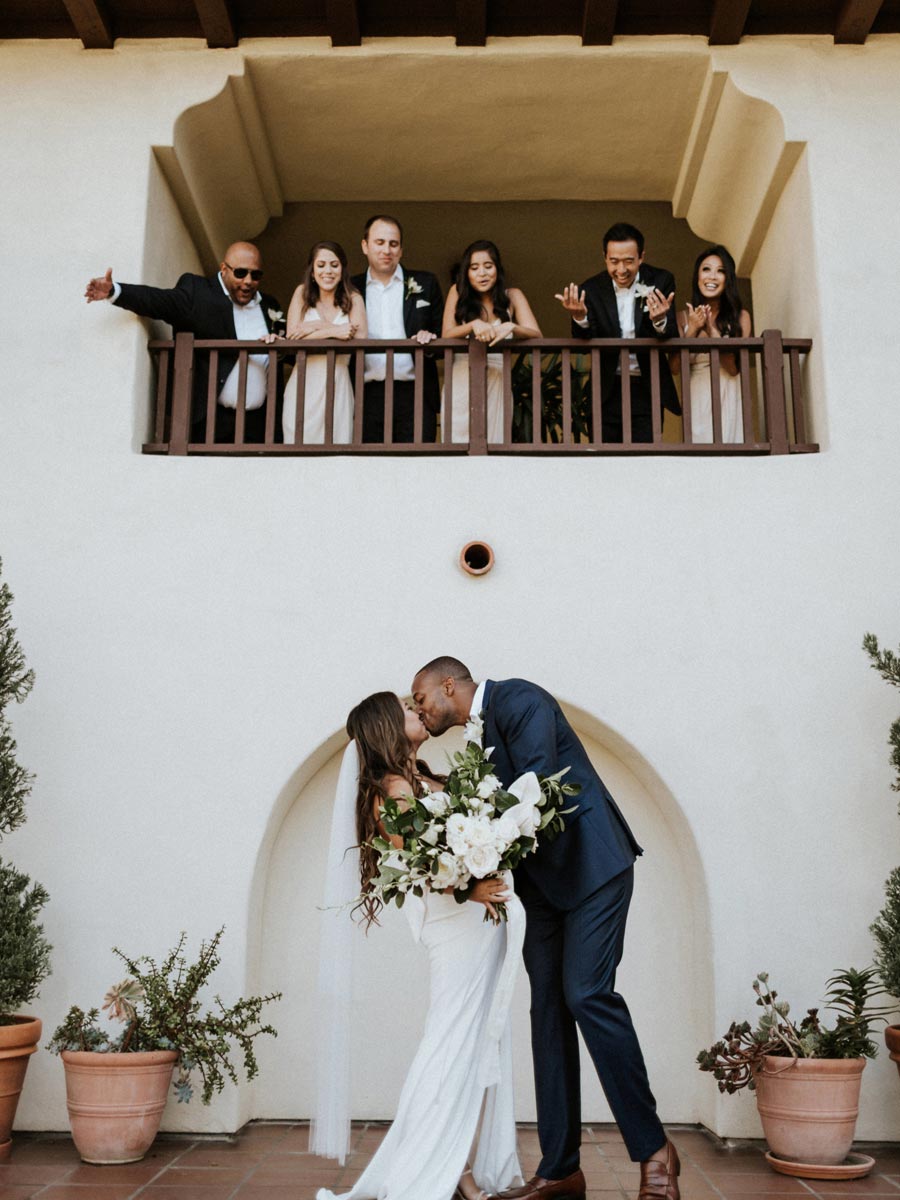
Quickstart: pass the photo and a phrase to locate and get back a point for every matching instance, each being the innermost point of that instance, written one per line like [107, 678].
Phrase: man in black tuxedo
[629, 299]
[399, 304]
[226, 307]
[576, 892]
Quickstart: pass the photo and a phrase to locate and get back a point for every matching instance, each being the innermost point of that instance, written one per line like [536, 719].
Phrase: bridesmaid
[716, 311]
[480, 305]
[324, 305]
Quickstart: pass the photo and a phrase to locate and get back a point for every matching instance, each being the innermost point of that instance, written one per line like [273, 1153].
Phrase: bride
[457, 1097]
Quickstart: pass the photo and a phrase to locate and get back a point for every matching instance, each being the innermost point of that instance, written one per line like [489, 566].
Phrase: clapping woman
[715, 311]
[324, 305]
[480, 305]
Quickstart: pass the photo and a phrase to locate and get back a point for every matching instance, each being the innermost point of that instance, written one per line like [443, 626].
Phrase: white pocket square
[423, 304]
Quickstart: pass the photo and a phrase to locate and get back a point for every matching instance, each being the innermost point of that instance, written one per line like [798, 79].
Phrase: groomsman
[399, 304]
[628, 299]
[225, 307]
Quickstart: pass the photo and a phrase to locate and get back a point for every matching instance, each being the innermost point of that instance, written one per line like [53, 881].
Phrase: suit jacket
[421, 310]
[603, 322]
[528, 731]
[199, 306]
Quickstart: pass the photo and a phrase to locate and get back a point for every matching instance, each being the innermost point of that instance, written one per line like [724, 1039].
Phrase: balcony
[551, 396]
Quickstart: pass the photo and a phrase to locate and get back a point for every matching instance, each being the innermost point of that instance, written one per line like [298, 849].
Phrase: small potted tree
[24, 951]
[116, 1087]
[806, 1077]
[886, 929]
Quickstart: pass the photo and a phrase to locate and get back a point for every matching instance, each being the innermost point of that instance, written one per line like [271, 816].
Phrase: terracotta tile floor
[269, 1161]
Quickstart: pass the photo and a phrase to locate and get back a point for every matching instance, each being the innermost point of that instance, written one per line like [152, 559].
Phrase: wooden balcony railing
[551, 396]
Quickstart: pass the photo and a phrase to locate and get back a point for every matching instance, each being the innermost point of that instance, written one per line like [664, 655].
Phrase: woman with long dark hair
[715, 311]
[324, 305]
[458, 1092]
[481, 306]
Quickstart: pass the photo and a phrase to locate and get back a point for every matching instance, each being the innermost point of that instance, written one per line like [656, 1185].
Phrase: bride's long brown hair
[378, 725]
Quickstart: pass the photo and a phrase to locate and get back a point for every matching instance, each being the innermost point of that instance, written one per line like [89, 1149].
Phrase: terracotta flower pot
[892, 1040]
[809, 1106]
[18, 1041]
[116, 1101]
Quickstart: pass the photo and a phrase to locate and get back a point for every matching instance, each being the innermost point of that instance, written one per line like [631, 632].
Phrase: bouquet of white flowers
[471, 829]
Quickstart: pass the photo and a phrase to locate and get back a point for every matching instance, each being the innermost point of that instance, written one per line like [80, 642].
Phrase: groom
[576, 891]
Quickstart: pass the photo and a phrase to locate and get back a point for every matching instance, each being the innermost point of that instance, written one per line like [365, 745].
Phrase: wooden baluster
[715, 386]
[300, 406]
[241, 415]
[655, 396]
[596, 394]
[687, 435]
[389, 398]
[566, 366]
[447, 406]
[162, 396]
[508, 400]
[477, 397]
[797, 397]
[182, 390]
[624, 364]
[271, 395]
[330, 362]
[773, 391]
[746, 394]
[418, 393]
[537, 398]
[211, 397]
[359, 385]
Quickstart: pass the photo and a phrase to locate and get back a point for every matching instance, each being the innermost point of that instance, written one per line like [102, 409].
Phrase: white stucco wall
[199, 628]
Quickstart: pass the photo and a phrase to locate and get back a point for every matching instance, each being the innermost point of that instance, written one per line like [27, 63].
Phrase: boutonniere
[413, 287]
[276, 316]
[641, 292]
[474, 730]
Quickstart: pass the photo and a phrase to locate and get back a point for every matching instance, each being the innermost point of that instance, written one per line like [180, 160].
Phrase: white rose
[506, 832]
[478, 831]
[449, 872]
[481, 860]
[484, 808]
[487, 787]
[457, 830]
[437, 803]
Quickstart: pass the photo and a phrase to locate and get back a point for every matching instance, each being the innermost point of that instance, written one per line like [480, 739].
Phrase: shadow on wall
[666, 974]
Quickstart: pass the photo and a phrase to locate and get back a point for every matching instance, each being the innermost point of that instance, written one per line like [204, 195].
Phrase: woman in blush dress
[324, 305]
[458, 1093]
[716, 311]
[480, 305]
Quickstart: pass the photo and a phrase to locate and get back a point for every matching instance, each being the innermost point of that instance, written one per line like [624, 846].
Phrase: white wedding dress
[457, 430]
[314, 395]
[701, 402]
[459, 1086]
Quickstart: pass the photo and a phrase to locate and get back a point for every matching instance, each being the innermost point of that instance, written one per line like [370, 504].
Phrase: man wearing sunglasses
[224, 307]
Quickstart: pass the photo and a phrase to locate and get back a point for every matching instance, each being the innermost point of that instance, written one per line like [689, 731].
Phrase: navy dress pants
[571, 959]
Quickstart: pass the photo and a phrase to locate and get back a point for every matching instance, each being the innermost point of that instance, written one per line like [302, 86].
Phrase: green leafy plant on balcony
[551, 397]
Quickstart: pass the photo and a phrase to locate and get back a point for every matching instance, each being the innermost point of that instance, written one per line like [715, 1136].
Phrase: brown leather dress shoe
[659, 1180]
[570, 1188]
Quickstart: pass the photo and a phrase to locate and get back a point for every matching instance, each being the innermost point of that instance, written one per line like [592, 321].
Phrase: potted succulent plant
[24, 951]
[806, 1077]
[116, 1087]
[886, 929]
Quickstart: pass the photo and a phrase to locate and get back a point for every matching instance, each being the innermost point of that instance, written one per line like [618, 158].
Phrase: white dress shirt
[249, 325]
[384, 313]
[625, 298]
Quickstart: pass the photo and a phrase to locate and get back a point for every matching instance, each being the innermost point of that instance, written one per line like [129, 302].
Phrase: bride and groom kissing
[567, 910]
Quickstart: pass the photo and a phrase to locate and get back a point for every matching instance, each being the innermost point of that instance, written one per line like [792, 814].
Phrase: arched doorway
[666, 974]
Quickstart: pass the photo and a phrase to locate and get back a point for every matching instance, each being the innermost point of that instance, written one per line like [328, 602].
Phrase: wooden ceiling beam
[598, 23]
[343, 22]
[91, 23]
[855, 20]
[216, 23]
[471, 22]
[726, 24]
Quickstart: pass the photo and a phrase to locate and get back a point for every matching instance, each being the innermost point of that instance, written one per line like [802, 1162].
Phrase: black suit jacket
[422, 309]
[528, 731]
[199, 306]
[603, 322]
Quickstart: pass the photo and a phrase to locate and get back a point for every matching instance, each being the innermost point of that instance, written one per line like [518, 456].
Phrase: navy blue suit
[576, 891]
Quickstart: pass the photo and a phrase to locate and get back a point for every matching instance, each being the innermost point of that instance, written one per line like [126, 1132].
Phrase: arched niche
[666, 974]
